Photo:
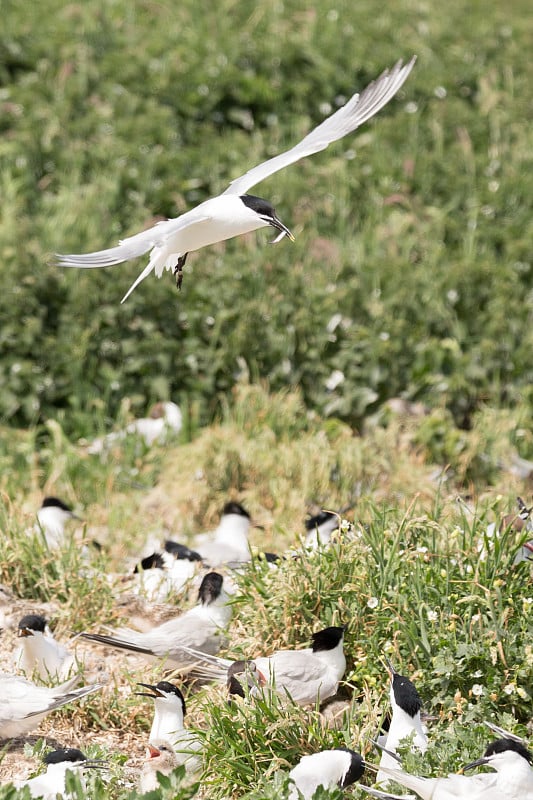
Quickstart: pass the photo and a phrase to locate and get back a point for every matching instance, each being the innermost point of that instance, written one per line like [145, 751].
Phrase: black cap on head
[257, 204]
[235, 508]
[153, 561]
[319, 519]
[355, 770]
[181, 551]
[327, 639]
[210, 588]
[501, 745]
[71, 754]
[55, 501]
[160, 689]
[406, 695]
[32, 622]
[170, 688]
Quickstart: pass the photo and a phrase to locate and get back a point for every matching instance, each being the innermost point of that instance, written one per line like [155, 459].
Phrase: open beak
[153, 752]
[154, 693]
[276, 223]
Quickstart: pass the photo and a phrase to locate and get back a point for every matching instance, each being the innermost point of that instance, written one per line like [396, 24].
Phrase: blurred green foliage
[413, 235]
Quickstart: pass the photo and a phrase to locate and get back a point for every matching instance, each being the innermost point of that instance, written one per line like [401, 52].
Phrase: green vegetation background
[411, 272]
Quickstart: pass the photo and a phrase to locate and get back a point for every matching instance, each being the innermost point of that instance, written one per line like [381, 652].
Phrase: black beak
[276, 223]
[95, 763]
[154, 693]
[478, 763]
[392, 672]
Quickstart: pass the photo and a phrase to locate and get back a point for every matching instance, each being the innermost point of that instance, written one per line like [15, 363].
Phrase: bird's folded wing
[359, 109]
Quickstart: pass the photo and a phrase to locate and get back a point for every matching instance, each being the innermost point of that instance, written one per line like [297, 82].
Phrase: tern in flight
[235, 212]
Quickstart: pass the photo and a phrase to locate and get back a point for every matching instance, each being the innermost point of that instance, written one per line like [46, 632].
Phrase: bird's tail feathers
[205, 666]
[119, 643]
[157, 261]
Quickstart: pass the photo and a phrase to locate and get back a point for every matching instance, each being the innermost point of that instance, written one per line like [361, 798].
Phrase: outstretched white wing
[359, 109]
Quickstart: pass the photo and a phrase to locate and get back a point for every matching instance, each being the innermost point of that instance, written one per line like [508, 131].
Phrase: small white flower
[509, 688]
[334, 380]
[478, 673]
[433, 616]
[477, 690]
[372, 602]
[522, 693]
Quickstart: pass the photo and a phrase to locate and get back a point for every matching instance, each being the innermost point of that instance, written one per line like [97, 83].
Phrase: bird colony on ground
[186, 646]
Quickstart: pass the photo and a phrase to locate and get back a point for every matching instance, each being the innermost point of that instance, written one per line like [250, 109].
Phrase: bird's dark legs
[178, 270]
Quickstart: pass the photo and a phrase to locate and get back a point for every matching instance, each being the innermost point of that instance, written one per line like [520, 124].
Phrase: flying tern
[58, 763]
[39, 652]
[23, 705]
[307, 676]
[329, 769]
[202, 628]
[169, 712]
[405, 720]
[235, 212]
[160, 759]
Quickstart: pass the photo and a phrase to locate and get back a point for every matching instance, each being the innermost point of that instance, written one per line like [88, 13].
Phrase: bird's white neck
[233, 532]
[335, 659]
[168, 720]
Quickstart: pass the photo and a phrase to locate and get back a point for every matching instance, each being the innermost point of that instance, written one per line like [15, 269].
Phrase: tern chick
[235, 212]
[160, 759]
[201, 628]
[23, 705]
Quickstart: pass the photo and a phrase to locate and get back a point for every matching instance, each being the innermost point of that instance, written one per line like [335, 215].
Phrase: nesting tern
[228, 543]
[58, 763]
[169, 711]
[164, 418]
[160, 759]
[405, 720]
[329, 769]
[51, 520]
[307, 676]
[513, 764]
[165, 572]
[202, 628]
[39, 653]
[235, 212]
[513, 779]
[319, 529]
[23, 705]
